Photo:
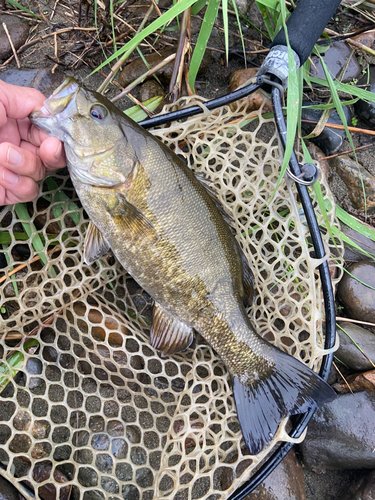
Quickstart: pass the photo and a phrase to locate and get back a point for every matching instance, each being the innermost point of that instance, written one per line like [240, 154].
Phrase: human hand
[26, 153]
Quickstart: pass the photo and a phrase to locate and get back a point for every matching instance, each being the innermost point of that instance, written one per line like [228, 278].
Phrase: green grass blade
[204, 34]
[224, 6]
[332, 105]
[239, 28]
[353, 244]
[173, 12]
[5, 238]
[263, 10]
[344, 87]
[58, 208]
[340, 112]
[318, 193]
[294, 103]
[21, 7]
[137, 114]
[198, 6]
[269, 4]
[15, 361]
[29, 228]
[112, 25]
[358, 226]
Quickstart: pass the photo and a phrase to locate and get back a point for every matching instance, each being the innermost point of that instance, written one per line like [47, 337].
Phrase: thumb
[18, 102]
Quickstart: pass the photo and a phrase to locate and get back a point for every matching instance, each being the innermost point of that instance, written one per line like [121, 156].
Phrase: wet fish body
[168, 232]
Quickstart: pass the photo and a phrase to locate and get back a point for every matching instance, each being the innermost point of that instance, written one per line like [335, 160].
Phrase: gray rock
[358, 298]
[362, 489]
[341, 435]
[329, 140]
[366, 109]
[41, 79]
[335, 58]
[349, 353]
[18, 31]
[353, 174]
[351, 253]
[285, 482]
[8, 491]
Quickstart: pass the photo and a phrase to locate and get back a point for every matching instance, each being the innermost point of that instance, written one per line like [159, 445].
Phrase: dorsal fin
[248, 278]
[168, 334]
[207, 184]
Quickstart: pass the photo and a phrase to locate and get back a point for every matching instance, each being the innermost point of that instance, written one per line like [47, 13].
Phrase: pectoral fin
[132, 220]
[168, 334]
[95, 244]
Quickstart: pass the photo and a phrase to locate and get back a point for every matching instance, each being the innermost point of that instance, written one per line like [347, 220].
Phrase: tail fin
[290, 388]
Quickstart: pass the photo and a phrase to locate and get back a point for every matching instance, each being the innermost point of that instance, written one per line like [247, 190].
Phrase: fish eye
[98, 112]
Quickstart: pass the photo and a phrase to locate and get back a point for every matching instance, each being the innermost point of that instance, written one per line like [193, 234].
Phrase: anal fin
[168, 334]
[95, 244]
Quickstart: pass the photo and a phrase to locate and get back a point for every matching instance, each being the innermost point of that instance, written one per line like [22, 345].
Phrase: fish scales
[189, 286]
[167, 231]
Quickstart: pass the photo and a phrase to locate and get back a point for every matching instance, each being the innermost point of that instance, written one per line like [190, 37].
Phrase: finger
[19, 102]
[31, 133]
[10, 132]
[52, 153]
[21, 162]
[18, 188]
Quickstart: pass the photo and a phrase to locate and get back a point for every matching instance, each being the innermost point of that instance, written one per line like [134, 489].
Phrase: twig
[141, 105]
[341, 127]
[156, 7]
[182, 49]
[21, 266]
[56, 56]
[144, 76]
[12, 46]
[349, 320]
[45, 19]
[346, 152]
[342, 376]
[41, 38]
[54, 10]
[123, 58]
[362, 47]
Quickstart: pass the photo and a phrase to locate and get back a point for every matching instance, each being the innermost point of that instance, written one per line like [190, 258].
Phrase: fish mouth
[58, 106]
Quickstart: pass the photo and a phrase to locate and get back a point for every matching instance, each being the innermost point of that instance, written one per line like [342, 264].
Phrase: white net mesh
[88, 409]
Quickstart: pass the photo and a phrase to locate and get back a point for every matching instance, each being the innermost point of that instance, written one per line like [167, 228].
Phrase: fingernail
[10, 177]
[59, 151]
[14, 157]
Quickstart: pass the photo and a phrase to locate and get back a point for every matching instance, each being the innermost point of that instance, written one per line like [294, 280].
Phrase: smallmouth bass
[168, 232]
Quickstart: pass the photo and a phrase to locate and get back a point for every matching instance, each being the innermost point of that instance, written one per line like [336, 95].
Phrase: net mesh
[88, 409]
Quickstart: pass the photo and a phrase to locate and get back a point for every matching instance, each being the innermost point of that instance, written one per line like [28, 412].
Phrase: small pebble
[253, 101]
